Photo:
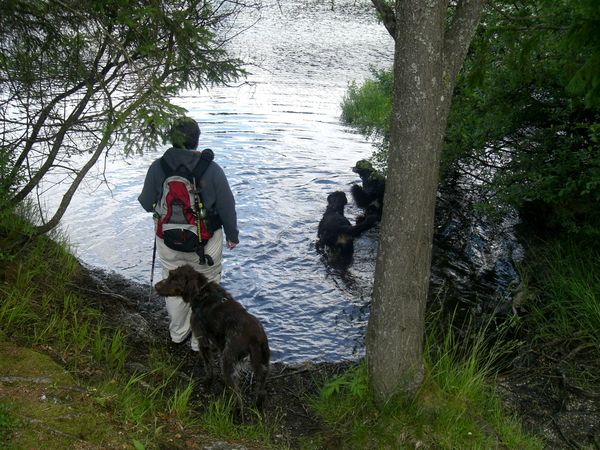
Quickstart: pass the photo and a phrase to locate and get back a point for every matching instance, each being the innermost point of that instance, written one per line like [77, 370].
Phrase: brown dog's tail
[260, 355]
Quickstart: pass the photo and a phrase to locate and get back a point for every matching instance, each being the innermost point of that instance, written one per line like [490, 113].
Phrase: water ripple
[281, 144]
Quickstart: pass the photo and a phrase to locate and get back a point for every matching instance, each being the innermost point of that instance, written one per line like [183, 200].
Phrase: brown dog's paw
[208, 375]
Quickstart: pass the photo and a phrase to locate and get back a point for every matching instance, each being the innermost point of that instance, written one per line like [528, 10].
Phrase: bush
[368, 108]
[525, 117]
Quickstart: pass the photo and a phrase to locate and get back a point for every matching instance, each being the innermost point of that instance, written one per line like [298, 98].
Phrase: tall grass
[568, 307]
[39, 308]
[109, 348]
[179, 401]
[219, 419]
[140, 397]
[38, 305]
[15, 312]
[454, 408]
[219, 416]
[566, 304]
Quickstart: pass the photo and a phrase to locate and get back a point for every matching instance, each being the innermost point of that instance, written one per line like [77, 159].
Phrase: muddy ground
[536, 389]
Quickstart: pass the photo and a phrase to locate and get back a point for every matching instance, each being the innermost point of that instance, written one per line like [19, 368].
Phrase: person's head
[185, 133]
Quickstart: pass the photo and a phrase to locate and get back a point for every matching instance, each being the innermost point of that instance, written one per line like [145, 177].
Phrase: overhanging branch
[459, 35]
[387, 15]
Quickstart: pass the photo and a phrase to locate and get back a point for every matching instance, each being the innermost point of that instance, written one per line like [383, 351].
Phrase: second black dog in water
[335, 230]
[218, 319]
[369, 196]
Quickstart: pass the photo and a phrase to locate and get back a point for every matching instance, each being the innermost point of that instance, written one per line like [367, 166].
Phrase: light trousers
[179, 311]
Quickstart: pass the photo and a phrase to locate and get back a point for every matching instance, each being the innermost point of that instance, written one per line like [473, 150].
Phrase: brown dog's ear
[192, 286]
[196, 282]
[187, 280]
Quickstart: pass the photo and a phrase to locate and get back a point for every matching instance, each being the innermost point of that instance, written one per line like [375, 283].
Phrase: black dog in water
[369, 196]
[218, 319]
[335, 230]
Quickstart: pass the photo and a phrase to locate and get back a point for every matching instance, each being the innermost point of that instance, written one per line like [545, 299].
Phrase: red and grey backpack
[180, 209]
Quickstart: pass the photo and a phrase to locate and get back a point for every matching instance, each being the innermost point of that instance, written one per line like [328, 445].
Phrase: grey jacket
[216, 193]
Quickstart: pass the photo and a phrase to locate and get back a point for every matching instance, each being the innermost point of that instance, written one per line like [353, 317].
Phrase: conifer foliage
[76, 77]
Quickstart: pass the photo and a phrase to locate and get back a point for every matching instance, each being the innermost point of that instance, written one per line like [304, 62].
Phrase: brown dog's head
[182, 282]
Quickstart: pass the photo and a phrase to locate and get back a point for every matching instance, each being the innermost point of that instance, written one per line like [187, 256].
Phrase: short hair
[185, 133]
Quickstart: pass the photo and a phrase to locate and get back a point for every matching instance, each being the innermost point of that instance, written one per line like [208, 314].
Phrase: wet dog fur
[335, 230]
[220, 320]
[369, 196]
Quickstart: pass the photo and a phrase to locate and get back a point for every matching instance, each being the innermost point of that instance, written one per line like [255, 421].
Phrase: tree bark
[426, 62]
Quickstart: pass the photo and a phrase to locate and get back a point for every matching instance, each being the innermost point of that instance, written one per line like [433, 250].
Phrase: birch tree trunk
[429, 52]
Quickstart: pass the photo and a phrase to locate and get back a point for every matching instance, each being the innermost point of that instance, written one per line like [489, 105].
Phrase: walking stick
[152, 269]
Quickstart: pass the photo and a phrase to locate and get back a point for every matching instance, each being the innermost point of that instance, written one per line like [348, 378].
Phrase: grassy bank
[455, 407]
[42, 310]
[553, 335]
[153, 407]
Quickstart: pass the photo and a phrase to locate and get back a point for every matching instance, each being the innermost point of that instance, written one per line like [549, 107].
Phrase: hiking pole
[152, 269]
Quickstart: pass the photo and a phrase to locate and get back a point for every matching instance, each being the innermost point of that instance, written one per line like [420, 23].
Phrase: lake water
[280, 141]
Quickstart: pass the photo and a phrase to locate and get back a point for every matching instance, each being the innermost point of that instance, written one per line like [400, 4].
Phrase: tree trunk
[425, 67]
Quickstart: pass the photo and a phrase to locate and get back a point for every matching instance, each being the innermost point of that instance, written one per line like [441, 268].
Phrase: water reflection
[279, 140]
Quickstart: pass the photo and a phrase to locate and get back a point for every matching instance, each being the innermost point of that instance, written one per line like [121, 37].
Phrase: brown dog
[218, 319]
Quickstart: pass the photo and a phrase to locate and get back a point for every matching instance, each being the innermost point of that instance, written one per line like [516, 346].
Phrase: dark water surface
[279, 139]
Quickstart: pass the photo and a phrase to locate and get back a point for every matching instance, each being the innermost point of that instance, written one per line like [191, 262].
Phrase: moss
[53, 411]
[27, 363]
